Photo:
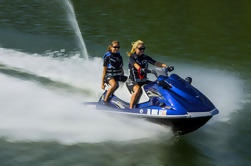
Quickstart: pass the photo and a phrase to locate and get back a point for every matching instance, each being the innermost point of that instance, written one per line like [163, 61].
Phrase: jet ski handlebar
[169, 68]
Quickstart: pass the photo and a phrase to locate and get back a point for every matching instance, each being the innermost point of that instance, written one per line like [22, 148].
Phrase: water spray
[72, 18]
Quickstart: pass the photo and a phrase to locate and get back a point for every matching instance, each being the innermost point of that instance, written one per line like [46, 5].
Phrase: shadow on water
[226, 142]
[48, 83]
[174, 152]
[181, 151]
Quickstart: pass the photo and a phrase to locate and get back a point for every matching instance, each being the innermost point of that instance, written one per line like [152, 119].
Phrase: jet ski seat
[124, 94]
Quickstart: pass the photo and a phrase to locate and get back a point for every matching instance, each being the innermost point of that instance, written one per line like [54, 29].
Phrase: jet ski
[168, 100]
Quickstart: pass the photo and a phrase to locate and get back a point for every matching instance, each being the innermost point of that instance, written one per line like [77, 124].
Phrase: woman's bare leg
[113, 85]
[136, 92]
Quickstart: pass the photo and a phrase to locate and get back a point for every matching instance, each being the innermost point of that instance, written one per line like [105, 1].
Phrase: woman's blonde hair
[134, 46]
[110, 46]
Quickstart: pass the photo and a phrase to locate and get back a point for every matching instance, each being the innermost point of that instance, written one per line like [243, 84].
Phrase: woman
[138, 64]
[113, 68]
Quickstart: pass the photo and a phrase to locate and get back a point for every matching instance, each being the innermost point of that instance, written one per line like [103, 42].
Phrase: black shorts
[130, 84]
[116, 78]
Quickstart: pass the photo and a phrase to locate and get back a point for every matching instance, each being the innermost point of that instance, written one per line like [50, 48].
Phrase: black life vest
[115, 64]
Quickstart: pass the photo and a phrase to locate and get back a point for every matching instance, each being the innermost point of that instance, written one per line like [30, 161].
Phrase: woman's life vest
[114, 64]
[142, 61]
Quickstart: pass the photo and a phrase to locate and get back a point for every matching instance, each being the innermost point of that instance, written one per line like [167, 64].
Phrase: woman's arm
[158, 64]
[103, 77]
[155, 63]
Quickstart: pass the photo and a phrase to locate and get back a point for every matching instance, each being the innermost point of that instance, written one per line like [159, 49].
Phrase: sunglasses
[141, 48]
[117, 47]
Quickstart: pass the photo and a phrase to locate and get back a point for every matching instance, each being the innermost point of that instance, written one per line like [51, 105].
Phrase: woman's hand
[163, 65]
[158, 64]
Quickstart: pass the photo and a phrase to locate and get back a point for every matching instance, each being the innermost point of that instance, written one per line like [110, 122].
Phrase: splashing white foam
[223, 88]
[34, 113]
[75, 71]
[29, 112]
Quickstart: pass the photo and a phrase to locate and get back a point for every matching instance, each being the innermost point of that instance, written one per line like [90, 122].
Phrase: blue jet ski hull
[170, 100]
[180, 124]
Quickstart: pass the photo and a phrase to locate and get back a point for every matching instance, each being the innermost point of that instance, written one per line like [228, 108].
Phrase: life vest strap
[140, 76]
